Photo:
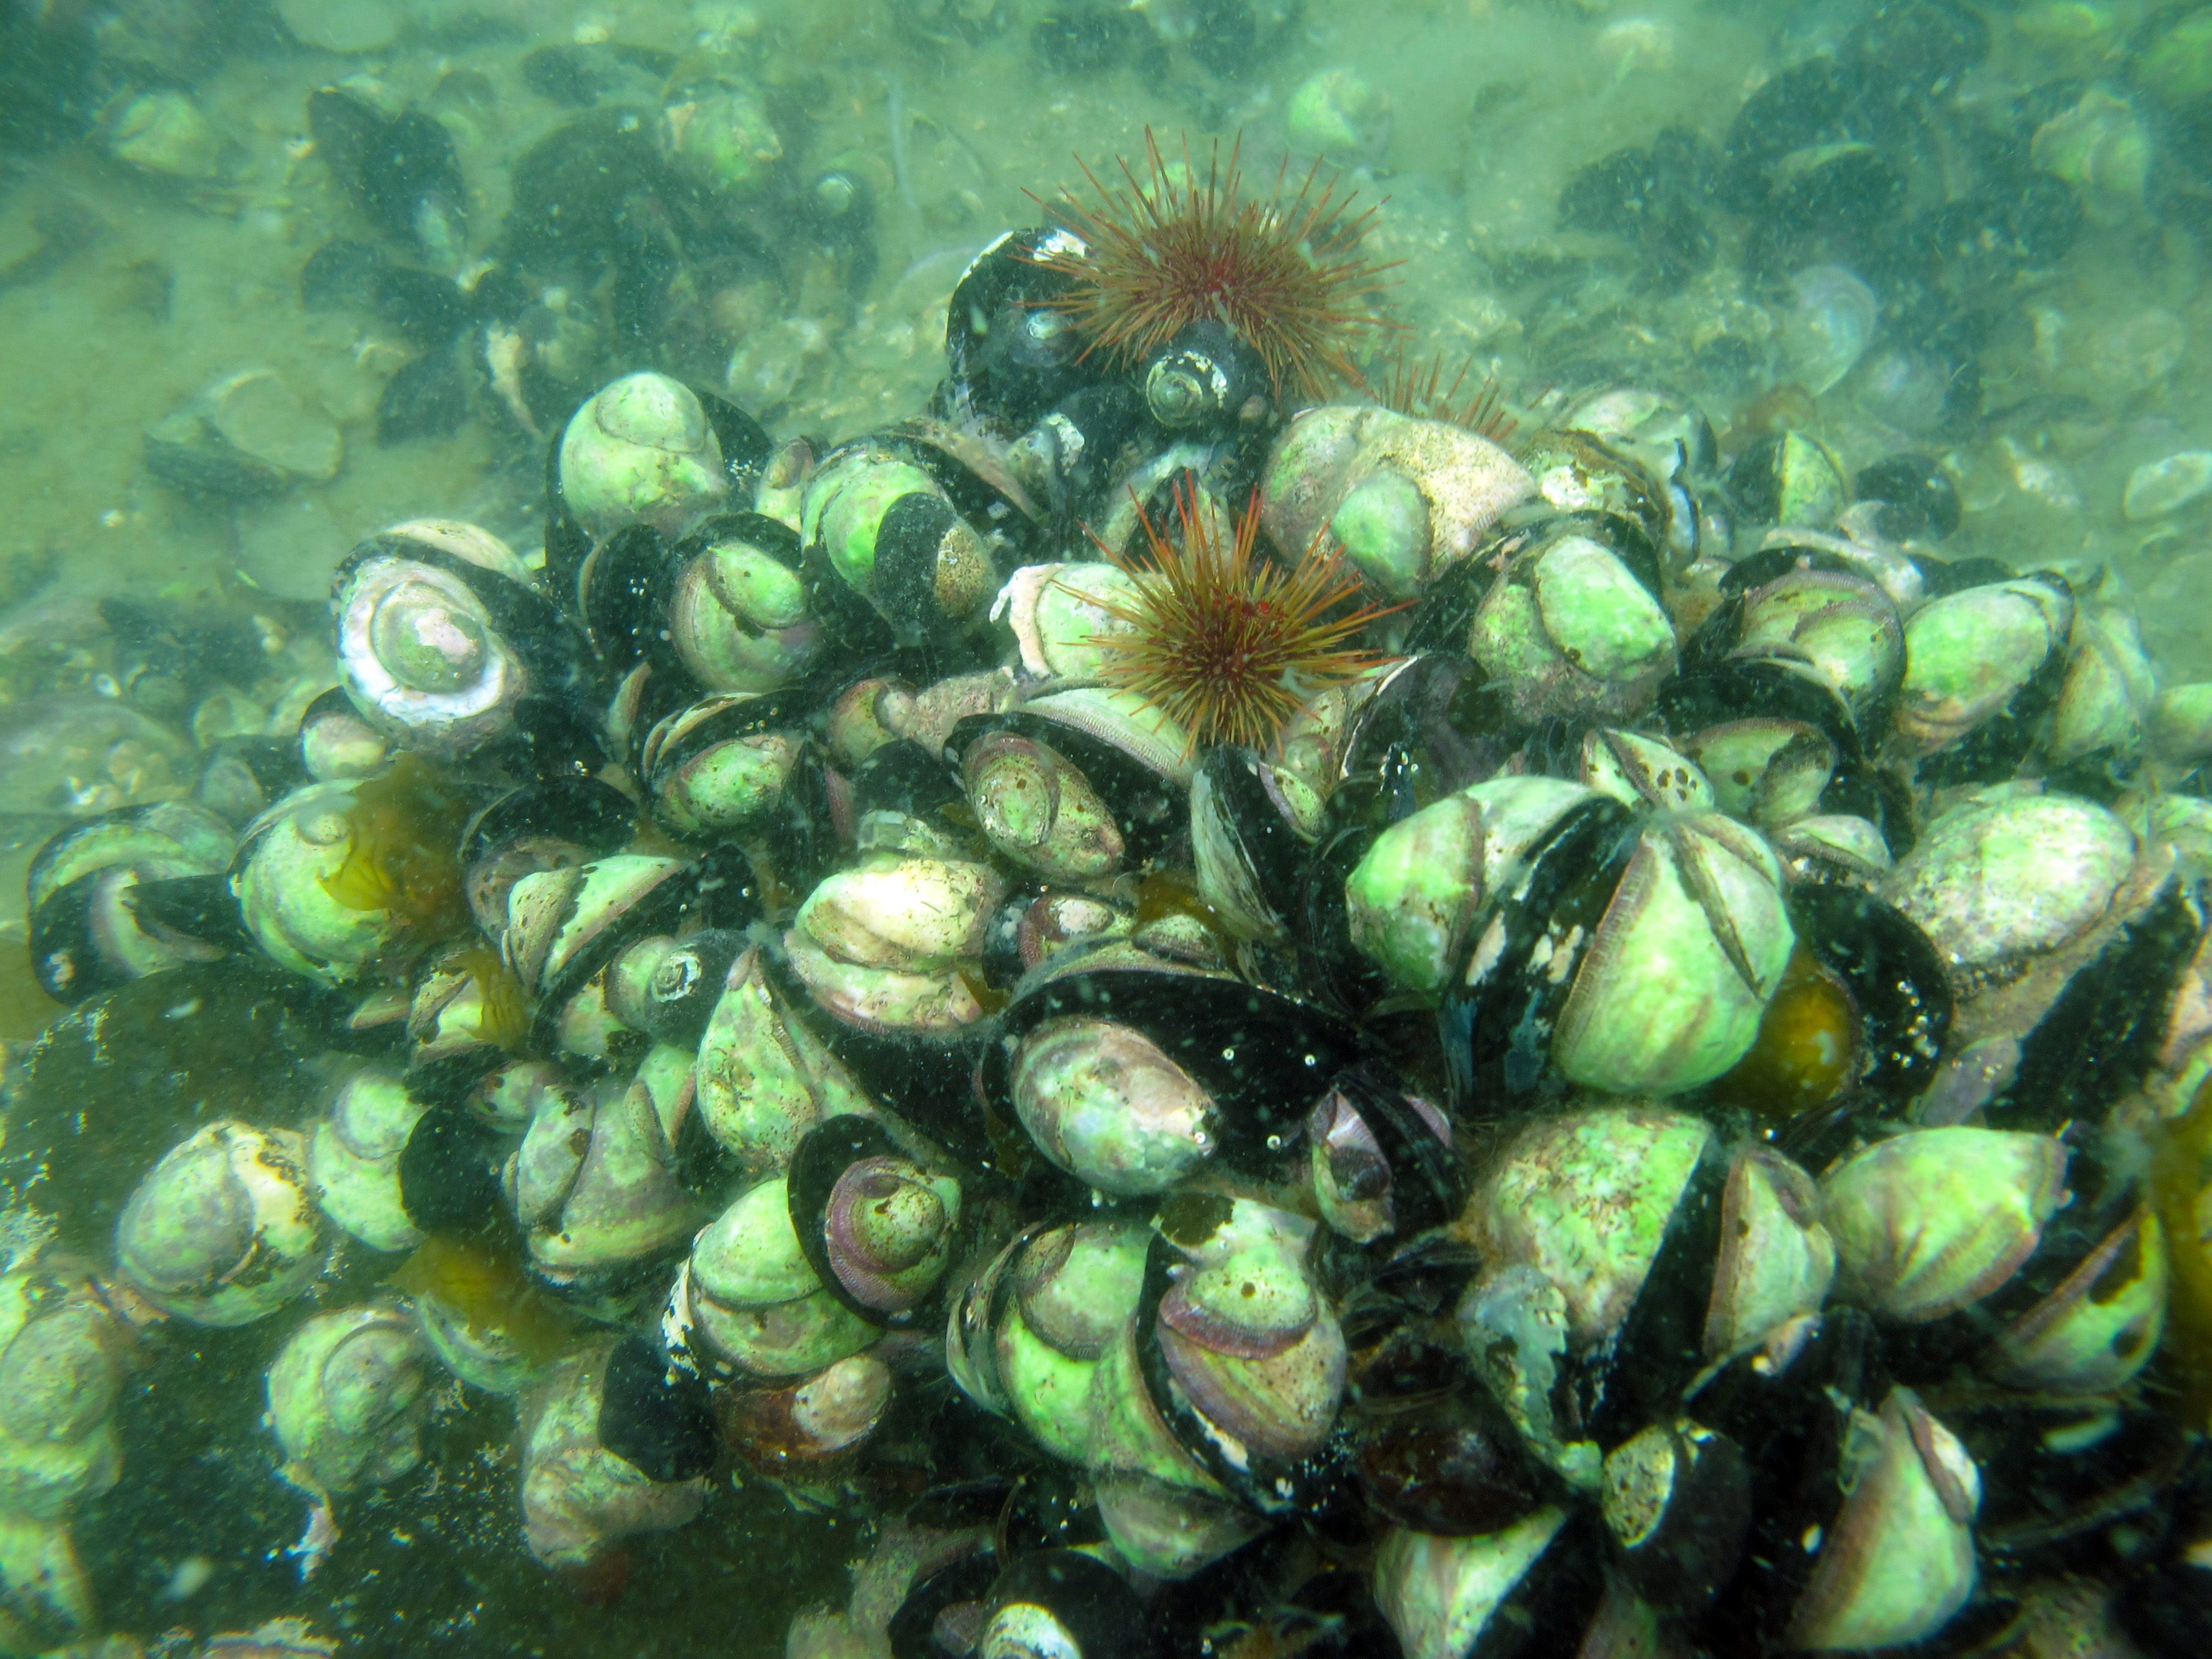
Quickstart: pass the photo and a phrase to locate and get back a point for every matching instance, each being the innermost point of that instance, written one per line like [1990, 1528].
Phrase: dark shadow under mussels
[449, 1172]
[655, 1417]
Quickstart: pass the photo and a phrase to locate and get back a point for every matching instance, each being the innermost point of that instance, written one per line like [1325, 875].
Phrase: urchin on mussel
[1655, 1097]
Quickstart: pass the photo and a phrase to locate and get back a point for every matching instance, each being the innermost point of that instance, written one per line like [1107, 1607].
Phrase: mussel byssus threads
[1228, 645]
[1285, 273]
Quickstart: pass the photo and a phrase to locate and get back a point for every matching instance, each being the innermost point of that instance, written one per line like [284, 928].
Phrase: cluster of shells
[1657, 1119]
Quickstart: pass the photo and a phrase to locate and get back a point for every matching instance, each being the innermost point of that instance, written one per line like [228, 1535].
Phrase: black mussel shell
[656, 1416]
[526, 618]
[1895, 977]
[1428, 1186]
[1697, 1544]
[390, 164]
[1653, 198]
[428, 397]
[1009, 355]
[1496, 1029]
[1734, 688]
[688, 982]
[1151, 808]
[1091, 1603]
[341, 272]
[2047, 1504]
[1266, 1058]
[1208, 382]
[594, 815]
[1082, 447]
[1638, 1375]
[1330, 965]
[66, 958]
[1259, 1481]
[1791, 1426]
[1264, 842]
[1452, 1470]
[1918, 49]
[1923, 501]
[661, 910]
[242, 774]
[1992, 751]
[622, 593]
[959, 1588]
[2100, 1037]
[199, 906]
[449, 1172]
[1430, 729]
[823, 1155]
[426, 308]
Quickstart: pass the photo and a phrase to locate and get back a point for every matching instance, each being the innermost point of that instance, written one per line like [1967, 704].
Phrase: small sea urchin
[1285, 274]
[1227, 644]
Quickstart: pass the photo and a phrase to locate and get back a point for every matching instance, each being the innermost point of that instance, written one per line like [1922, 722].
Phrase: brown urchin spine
[1419, 389]
[1286, 274]
[1228, 645]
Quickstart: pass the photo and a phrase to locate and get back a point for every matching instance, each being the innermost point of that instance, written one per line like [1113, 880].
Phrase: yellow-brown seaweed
[485, 1282]
[2176, 1183]
[502, 1009]
[405, 853]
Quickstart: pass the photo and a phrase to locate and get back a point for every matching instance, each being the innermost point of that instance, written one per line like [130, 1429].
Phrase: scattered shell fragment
[2158, 488]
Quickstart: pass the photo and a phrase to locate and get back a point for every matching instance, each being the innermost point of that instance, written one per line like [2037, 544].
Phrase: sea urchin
[1227, 644]
[1286, 274]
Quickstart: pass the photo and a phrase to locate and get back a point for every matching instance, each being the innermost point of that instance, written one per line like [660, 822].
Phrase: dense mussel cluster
[1658, 1119]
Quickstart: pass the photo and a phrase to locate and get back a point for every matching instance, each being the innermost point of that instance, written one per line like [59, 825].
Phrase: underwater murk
[1044, 827]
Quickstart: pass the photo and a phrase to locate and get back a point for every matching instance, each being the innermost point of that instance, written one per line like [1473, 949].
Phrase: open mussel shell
[1383, 1162]
[88, 930]
[646, 450]
[1779, 688]
[540, 825]
[1259, 1059]
[876, 1227]
[1010, 353]
[445, 643]
[1131, 759]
